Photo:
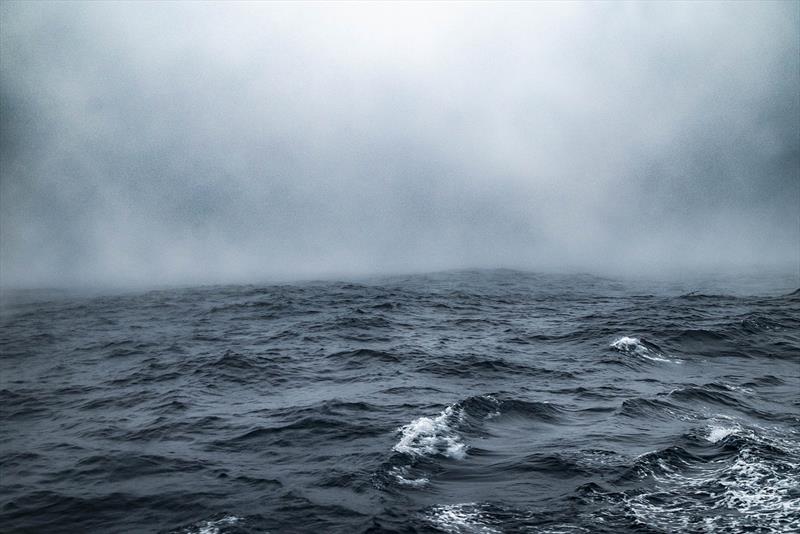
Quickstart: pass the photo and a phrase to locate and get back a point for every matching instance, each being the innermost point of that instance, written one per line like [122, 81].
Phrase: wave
[475, 366]
[696, 295]
[717, 433]
[426, 439]
[711, 393]
[328, 426]
[562, 466]
[361, 356]
[651, 408]
[762, 381]
[234, 361]
[755, 324]
[496, 518]
[699, 338]
[21, 404]
[53, 511]
[403, 477]
[463, 518]
[405, 390]
[349, 411]
[641, 347]
[211, 526]
[747, 480]
[266, 305]
[658, 463]
[428, 436]
[439, 435]
[497, 405]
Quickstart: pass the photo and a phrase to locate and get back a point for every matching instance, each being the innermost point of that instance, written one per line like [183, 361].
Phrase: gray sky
[147, 143]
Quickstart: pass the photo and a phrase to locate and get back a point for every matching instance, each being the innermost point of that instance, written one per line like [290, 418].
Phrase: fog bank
[179, 143]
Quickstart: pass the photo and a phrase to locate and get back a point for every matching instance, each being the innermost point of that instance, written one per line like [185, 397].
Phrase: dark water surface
[491, 401]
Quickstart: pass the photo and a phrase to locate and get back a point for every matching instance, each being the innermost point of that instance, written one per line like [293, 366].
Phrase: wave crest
[429, 436]
[641, 347]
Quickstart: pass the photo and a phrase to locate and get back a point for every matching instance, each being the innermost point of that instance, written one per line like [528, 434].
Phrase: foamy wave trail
[430, 436]
[463, 518]
[641, 347]
[402, 476]
[212, 526]
[753, 489]
[718, 433]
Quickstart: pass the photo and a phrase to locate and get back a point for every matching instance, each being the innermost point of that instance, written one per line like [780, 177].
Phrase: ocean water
[460, 402]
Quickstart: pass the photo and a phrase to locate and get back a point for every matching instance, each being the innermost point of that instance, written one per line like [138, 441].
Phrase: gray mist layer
[148, 143]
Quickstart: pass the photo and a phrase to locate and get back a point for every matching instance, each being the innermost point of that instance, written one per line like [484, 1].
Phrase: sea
[475, 401]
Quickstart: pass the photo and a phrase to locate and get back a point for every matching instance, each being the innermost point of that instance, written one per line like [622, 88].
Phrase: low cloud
[169, 143]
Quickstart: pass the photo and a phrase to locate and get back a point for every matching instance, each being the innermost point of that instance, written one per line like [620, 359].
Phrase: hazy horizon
[180, 143]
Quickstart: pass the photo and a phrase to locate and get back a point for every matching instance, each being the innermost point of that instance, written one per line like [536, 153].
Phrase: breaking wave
[642, 348]
[433, 435]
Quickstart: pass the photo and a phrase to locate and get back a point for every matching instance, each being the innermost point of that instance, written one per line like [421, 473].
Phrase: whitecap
[212, 526]
[740, 389]
[717, 433]
[402, 477]
[635, 345]
[428, 436]
[751, 492]
[460, 519]
[413, 482]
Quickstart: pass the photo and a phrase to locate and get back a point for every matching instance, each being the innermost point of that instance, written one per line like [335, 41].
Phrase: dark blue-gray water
[488, 401]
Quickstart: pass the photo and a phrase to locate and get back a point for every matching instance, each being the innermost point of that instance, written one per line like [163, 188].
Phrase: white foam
[564, 528]
[717, 433]
[755, 493]
[413, 482]
[740, 389]
[401, 475]
[634, 345]
[496, 413]
[460, 519]
[428, 436]
[627, 344]
[213, 527]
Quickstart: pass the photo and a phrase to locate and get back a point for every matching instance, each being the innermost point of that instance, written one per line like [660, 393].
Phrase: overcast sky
[179, 143]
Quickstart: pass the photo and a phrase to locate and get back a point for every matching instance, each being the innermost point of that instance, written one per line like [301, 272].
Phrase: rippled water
[490, 401]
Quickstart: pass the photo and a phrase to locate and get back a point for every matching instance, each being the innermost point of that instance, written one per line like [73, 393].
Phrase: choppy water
[492, 401]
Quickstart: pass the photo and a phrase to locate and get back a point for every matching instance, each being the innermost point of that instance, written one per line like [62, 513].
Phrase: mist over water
[173, 143]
